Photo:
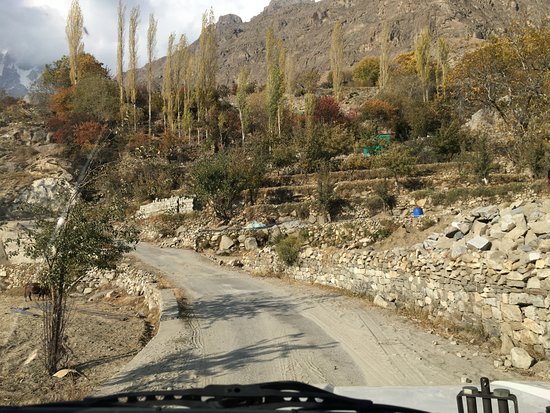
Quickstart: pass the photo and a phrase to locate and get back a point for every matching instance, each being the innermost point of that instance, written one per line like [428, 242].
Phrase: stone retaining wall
[173, 205]
[490, 268]
[132, 280]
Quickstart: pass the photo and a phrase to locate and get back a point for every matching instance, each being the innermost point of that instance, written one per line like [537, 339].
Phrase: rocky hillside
[306, 26]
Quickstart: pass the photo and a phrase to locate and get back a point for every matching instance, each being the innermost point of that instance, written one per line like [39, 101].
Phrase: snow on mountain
[14, 79]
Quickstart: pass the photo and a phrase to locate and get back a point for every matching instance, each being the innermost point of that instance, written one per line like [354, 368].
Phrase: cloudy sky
[34, 30]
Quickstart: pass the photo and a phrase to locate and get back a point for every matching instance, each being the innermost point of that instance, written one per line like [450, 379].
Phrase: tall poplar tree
[120, 56]
[207, 67]
[422, 55]
[442, 66]
[274, 82]
[384, 76]
[132, 60]
[151, 45]
[168, 85]
[180, 67]
[337, 60]
[73, 30]
[242, 106]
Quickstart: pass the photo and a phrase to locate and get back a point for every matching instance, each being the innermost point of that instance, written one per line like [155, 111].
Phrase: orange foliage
[87, 134]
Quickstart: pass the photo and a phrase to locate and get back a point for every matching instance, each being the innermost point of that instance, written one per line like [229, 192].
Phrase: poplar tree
[275, 81]
[132, 63]
[151, 45]
[73, 30]
[207, 67]
[242, 106]
[180, 67]
[120, 56]
[422, 55]
[442, 66]
[337, 60]
[384, 58]
[167, 85]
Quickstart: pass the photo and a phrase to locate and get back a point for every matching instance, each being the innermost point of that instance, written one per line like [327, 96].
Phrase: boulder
[496, 259]
[457, 250]
[479, 228]
[544, 245]
[507, 224]
[462, 226]
[540, 227]
[46, 192]
[507, 344]
[380, 302]
[226, 243]
[521, 358]
[511, 312]
[486, 214]
[479, 243]
[250, 243]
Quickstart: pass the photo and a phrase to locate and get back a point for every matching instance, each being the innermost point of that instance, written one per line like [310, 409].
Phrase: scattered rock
[226, 243]
[480, 243]
[521, 358]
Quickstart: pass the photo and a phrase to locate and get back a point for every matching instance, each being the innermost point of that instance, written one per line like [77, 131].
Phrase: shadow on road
[184, 369]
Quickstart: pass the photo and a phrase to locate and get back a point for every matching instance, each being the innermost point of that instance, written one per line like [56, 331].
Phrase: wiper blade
[283, 395]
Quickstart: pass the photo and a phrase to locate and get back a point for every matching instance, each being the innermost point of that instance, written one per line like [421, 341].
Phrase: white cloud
[34, 30]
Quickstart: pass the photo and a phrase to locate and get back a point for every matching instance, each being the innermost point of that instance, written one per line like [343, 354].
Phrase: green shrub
[288, 249]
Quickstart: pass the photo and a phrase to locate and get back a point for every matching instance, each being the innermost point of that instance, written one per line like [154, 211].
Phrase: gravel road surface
[244, 329]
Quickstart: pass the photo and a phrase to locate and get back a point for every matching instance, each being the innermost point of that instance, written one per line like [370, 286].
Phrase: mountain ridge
[306, 26]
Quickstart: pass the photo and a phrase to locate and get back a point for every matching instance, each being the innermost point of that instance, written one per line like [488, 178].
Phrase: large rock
[479, 243]
[520, 227]
[226, 243]
[380, 302]
[250, 243]
[48, 192]
[3, 255]
[511, 312]
[486, 214]
[540, 227]
[521, 358]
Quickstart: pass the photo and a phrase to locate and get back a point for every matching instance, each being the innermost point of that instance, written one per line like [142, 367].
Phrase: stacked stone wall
[490, 269]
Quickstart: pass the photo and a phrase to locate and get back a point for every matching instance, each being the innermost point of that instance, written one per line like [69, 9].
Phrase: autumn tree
[367, 71]
[442, 66]
[337, 59]
[423, 67]
[181, 64]
[132, 61]
[510, 75]
[151, 45]
[73, 30]
[120, 56]
[241, 101]
[384, 65]
[207, 67]
[274, 82]
[168, 85]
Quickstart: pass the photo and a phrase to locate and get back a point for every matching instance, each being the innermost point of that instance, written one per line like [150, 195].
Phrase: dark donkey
[36, 289]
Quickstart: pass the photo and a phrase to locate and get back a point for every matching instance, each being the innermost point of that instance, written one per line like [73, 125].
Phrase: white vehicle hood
[533, 397]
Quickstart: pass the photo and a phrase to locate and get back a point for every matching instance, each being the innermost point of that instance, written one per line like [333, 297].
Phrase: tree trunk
[242, 123]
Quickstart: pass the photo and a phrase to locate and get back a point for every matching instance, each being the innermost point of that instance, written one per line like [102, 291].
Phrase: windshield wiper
[284, 395]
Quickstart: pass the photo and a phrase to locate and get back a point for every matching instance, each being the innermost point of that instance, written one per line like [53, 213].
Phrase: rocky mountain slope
[306, 26]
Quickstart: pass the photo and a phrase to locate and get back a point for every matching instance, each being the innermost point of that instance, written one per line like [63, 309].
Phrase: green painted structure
[382, 139]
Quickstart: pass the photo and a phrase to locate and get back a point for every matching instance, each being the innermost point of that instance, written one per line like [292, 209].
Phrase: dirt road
[244, 329]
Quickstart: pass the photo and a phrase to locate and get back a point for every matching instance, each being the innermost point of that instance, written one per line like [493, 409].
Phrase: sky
[33, 31]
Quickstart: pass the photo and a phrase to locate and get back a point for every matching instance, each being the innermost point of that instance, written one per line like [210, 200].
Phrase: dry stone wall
[126, 277]
[490, 268]
[173, 205]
